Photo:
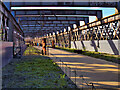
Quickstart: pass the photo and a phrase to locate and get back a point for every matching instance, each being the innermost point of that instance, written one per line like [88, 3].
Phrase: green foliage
[36, 72]
[84, 48]
[32, 51]
[62, 76]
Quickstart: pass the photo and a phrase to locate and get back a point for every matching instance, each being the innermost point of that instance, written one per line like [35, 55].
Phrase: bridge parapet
[102, 21]
[106, 28]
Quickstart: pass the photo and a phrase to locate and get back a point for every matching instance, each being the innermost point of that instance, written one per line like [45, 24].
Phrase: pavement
[85, 71]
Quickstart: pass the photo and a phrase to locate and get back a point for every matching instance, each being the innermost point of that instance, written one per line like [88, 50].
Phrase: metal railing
[107, 28]
[104, 29]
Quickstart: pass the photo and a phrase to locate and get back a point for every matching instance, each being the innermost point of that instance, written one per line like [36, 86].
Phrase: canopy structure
[56, 19]
[21, 13]
[66, 3]
[43, 21]
[49, 23]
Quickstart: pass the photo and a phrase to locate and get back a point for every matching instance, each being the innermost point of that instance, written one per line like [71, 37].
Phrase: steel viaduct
[61, 27]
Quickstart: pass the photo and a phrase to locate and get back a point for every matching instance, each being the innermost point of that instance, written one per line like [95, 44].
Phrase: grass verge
[34, 71]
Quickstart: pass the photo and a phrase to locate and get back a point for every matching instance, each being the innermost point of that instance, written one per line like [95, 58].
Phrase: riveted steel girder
[65, 4]
[97, 13]
[53, 18]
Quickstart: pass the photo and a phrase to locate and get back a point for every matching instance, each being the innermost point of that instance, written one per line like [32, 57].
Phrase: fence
[107, 28]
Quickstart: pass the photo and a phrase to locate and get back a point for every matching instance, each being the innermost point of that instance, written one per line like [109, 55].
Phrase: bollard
[66, 69]
[81, 76]
[75, 76]
[82, 82]
[63, 67]
[69, 72]
[61, 63]
[93, 86]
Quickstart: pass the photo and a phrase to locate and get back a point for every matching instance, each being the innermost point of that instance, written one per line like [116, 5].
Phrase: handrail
[102, 21]
[97, 22]
[11, 16]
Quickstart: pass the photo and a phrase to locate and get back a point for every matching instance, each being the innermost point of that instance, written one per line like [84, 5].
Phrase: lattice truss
[107, 31]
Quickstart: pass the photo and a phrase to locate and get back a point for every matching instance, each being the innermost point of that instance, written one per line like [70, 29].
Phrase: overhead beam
[32, 30]
[26, 29]
[26, 16]
[46, 25]
[57, 22]
[50, 18]
[97, 13]
[65, 4]
[42, 31]
[117, 9]
[48, 22]
[51, 22]
[60, 25]
[107, 3]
